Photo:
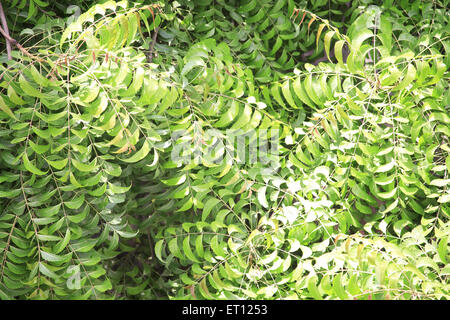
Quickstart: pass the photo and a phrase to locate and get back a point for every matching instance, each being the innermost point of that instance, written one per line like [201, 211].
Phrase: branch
[150, 51]
[5, 27]
[14, 42]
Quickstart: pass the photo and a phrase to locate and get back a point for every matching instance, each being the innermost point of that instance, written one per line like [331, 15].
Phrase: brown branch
[5, 27]
[18, 45]
[150, 51]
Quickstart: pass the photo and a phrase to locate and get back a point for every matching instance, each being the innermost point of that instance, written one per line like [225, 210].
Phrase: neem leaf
[209, 205]
[409, 77]
[391, 207]
[63, 243]
[360, 193]
[46, 271]
[188, 251]
[6, 109]
[440, 182]
[55, 258]
[126, 234]
[30, 167]
[262, 197]
[49, 211]
[338, 288]
[106, 285]
[83, 167]
[75, 203]
[312, 288]
[338, 51]
[141, 154]
[175, 181]
[174, 248]
[158, 249]
[115, 189]
[442, 249]
[57, 164]
[228, 116]
[327, 41]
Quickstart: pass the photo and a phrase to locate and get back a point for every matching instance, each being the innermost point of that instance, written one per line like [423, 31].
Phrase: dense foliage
[126, 131]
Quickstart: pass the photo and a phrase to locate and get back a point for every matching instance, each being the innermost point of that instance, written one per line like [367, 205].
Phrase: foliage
[353, 204]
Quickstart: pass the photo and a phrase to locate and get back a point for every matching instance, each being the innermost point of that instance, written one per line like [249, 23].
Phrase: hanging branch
[10, 41]
[5, 27]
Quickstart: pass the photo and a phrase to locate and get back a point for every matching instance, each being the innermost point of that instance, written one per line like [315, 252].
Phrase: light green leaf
[209, 205]
[83, 167]
[174, 249]
[57, 164]
[141, 154]
[115, 189]
[409, 77]
[386, 167]
[4, 107]
[327, 41]
[262, 197]
[175, 181]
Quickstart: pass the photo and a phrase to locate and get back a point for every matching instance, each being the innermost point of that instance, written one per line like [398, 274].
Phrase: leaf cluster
[352, 204]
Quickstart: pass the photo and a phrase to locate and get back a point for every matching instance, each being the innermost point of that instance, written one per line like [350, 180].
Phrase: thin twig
[5, 27]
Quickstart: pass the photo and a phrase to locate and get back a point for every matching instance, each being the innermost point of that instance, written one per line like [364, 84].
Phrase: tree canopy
[212, 149]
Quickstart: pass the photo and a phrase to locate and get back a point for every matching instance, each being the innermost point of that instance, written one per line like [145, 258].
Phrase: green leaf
[28, 88]
[188, 251]
[46, 271]
[217, 247]
[409, 77]
[444, 199]
[174, 248]
[158, 249]
[106, 285]
[60, 246]
[385, 168]
[440, 182]
[262, 197]
[327, 41]
[209, 205]
[443, 249]
[57, 164]
[30, 167]
[338, 51]
[10, 194]
[243, 119]
[6, 109]
[338, 288]
[301, 93]
[127, 235]
[39, 149]
[360, 193]
[115, 189]
[83, 167]
[387, 195]
[175, 181]
[49, 211]
[391, 207]
[193, 62]
[138, 156]
[287, 94]
[75, 203]
[55, 258]
[312, 288]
